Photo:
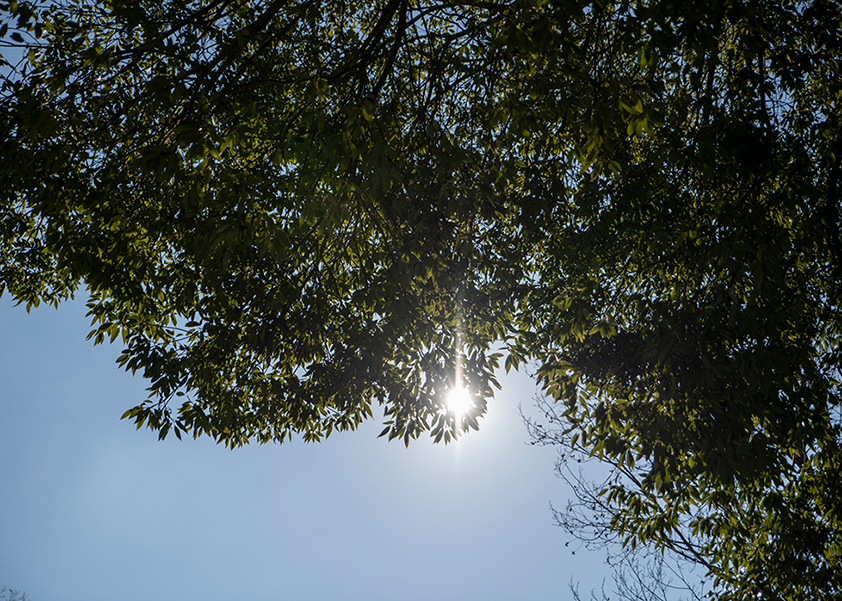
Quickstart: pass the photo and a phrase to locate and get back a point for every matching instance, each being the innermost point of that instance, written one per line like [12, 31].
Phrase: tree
[8, 594]
[266, 202]
[689, 320]
[290, 211]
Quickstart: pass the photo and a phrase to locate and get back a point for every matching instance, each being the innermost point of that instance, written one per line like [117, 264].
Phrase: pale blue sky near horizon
[93, 510]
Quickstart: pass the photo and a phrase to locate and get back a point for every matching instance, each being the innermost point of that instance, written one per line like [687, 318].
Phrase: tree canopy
[292, 211]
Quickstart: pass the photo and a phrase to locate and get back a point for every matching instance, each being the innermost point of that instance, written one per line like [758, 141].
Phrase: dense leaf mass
[291, 211]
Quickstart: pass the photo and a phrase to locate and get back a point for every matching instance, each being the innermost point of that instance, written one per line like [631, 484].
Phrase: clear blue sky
[93, 510]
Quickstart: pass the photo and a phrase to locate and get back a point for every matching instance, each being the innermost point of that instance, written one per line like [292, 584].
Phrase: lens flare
[459, 402]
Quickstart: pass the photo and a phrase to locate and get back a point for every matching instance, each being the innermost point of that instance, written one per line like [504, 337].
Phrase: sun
[459, 402]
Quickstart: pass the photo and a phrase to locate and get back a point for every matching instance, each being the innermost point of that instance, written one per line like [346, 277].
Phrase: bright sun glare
[459, 401]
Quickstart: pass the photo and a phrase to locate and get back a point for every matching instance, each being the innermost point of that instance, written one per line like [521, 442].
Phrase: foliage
[8, 594]
[292, 210]
[282, 209]
[688, 325]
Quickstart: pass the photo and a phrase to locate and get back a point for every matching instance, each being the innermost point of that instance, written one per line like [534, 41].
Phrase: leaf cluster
[293, 212]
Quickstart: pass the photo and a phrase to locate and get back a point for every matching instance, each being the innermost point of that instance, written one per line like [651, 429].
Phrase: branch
[832, 210]
[372, 39]
[394, 52]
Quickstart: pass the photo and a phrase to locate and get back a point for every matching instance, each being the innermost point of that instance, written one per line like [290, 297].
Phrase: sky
[92, 509]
